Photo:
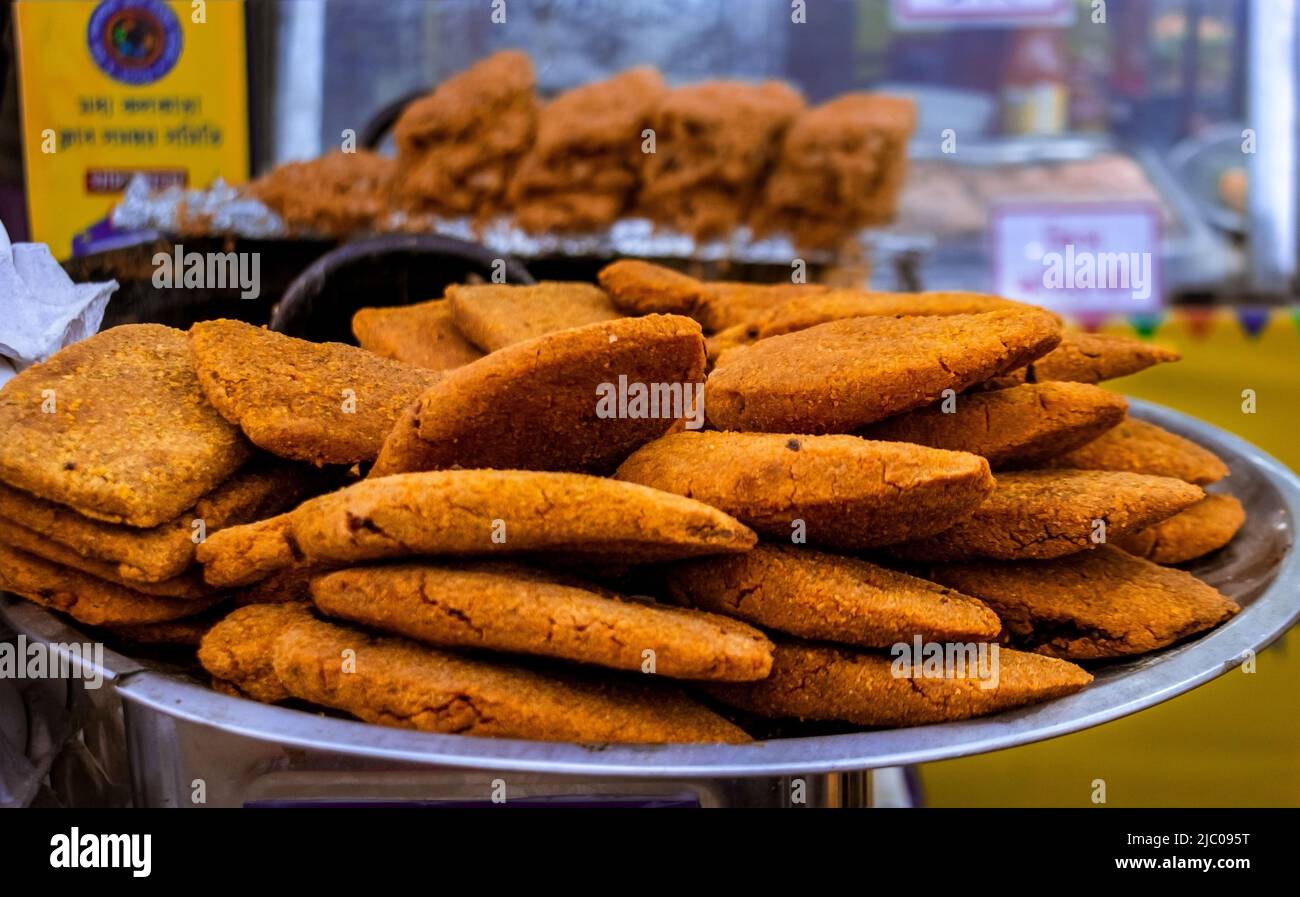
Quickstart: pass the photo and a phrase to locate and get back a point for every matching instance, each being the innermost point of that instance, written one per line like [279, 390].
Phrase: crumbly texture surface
[821, 682]
[85, 598]
[399, 683]
[74, 428]
[841, 168]
[1206, 526]
[840, 376]
[422, 335]
[829, 597]
[503, 607]
[1093, 357]
[462, 513]
[583, 170]
[338, 194]
[458, 147]
[323, 403]
[1049, 514]
[849, 493]
[538, 405]
[239, 650]
[1141, 447]
[493, 316]
[809, 310]
[713, 142]
[1014, 427]
[1103, 603]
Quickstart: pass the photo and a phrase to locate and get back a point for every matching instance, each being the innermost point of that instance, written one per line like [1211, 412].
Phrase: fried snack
[810, 310]
[116, 427]
[642, 288]
[293, 583]
[1042, 514]
[713, 143]
[1093, 357]
[86, 599]
[840, 169]
[458, 147]
[737, 337]
[406, 685]
[553, 403]
[583, 170]
[1103, 603]
[239, 650]
[324, 403]
[1206, 526]
[820, 682]
[160, 554]
[838, 377]
[422, 335]
[187, 631]
[1142, 447]
[493, 316]
[463, 513]
[186, 585]
[505, 607]
[848, 492]
[1015, 427]
[336, 195]
[829, 597]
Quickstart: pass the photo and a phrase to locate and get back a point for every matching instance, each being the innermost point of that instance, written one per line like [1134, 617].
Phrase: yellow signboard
[115, 88]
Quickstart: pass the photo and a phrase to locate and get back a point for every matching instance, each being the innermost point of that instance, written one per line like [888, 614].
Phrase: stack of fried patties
[714, 143]
[113, 468]
[840, 169]
[339, 194]
[458, 147]
[583, 171]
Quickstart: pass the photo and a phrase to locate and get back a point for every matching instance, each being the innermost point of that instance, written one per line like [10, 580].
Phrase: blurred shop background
[1172, 123]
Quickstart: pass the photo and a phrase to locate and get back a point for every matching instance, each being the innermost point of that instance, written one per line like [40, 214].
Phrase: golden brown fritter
[840, 169]
[400, 683]
[847, 492]
[464, 513]
[829, 597]
[1206, 526]
[187, 631]
[821, 682]
[339, 194]
[835, 305]
[1048, 514]
[86, 599]
[422, 335]
[1093, 357]
[117, 428]
[239, 650]
[1141, 447]
[324, 403]
[1103, 603]
[1015, 427]
[505, 607]
[552, 403]
[458, 147]
[713, 142]
[838, 377]
[493, 316]
[584, 168]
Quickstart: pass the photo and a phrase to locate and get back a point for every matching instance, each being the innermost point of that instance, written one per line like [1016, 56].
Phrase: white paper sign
[1078, 257]
[933, 13]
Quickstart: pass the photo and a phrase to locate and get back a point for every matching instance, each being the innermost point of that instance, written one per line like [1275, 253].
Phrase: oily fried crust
[821, 682]
[1103, 603]
[1141, 447]
[399, 683]
[493, 316]
[323, 403]
[643, 288]
[239, 649]
[1049, 514]
[845, 492]
[1093, 357]
[840, 376]
[497, 607]
[73, 427]
[422, 335]
[1206, 526]
[537, 405]
[829, 597]
[1020, 426]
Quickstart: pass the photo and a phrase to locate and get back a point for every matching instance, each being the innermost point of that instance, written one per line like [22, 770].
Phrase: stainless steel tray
[171, 719]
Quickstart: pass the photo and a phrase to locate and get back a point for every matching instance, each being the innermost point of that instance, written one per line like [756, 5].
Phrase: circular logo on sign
[134, 41]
